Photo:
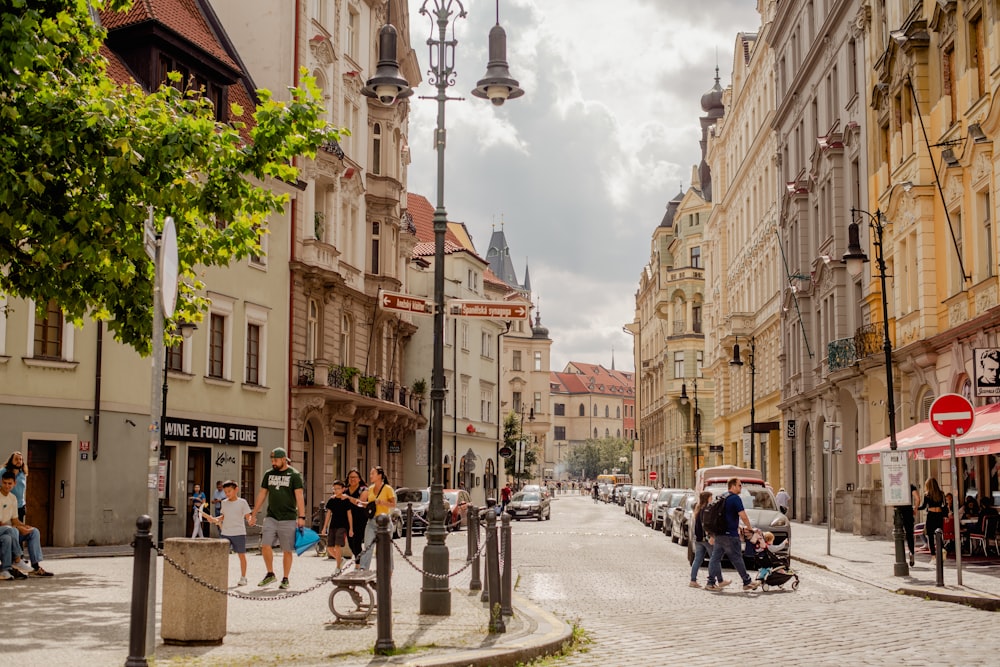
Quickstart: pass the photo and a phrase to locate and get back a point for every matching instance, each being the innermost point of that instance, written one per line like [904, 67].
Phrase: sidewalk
[871, 559]
[81, 616]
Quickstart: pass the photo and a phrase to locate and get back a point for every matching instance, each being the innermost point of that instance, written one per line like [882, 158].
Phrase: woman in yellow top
[384, 499]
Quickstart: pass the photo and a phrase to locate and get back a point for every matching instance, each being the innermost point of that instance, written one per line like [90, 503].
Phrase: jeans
[728, 545]
[701, 549]
[34, 546]
[367, 549]
[10, 547]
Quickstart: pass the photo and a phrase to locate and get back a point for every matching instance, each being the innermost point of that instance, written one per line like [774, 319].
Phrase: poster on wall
[987, 371]
[895, 478]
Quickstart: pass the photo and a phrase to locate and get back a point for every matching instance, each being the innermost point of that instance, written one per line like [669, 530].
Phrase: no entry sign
[951, 415]
[652, 475]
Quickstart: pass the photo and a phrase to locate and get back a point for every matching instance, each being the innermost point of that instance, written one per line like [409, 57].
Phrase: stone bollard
[193, 615]
[384, 644]
[506, 575]
[496, 624]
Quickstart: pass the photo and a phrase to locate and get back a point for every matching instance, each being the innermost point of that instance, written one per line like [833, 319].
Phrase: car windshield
[452, 497]
[676, 499]
[754, 497]
[412, 496]
[665, 495]
[525, 497]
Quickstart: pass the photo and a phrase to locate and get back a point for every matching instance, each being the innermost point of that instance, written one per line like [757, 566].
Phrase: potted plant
[367, 385]
[348, 375]
[419, 388]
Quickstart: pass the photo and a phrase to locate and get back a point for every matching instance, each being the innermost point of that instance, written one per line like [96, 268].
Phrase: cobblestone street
[626, 585]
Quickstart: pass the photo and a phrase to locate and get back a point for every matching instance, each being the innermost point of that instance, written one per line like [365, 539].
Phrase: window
[950, 81]
[607, 411]
[248, 473]
[253, 354]
[377, 149]
[986, 247]
[699, 362]
[696, 257]
[464, 398]
[485, 405]
[516, 402]
[618, 412]
[465, 336]
[560, 409]
[607, 433]
[376, 247]
[583, 410]
[317, 12]
[560, 433]
[256, 345]
[312, 330]
[217, 346]
[595, 433]
[353, 30]
[696, 319]
[472, 280]
[594, 410]
[175, 358]
[538, 361]
[678, 364]
[346, 340]
[487, 344]
[538, 403]
[977, 55]
[516, 360]
[49, 333]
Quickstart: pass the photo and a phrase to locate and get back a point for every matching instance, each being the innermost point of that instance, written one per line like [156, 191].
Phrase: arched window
[618, 433]
[607, 433]
[377, 149]
[618, 412]
[607, 411]
[312, 331]
[595, 411]
[583, 410]
[595, 433]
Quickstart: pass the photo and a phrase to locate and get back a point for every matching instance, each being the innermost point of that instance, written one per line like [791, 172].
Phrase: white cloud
[581, 168]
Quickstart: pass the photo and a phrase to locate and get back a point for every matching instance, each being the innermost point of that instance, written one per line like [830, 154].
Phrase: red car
[459, 500]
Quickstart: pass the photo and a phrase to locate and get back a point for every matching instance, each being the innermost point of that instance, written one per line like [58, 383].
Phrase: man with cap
[286, 511]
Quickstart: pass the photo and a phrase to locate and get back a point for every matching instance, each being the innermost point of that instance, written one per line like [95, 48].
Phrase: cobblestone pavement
[627, 586]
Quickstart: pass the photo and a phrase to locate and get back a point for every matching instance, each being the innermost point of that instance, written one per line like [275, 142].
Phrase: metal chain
[235, 594]
[442, 577]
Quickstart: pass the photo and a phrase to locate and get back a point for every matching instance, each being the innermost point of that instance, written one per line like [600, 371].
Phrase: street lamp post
[736, 361]
[387, 86]
[697, 422]
[855, 259]
[186, 330]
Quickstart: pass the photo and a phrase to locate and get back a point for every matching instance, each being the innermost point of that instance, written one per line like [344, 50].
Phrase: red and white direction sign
[497, 310]
[404, 303]
[952, 415]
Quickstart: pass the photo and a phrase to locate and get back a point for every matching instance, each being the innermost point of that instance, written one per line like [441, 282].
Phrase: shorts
[339, 537]
[281, 532]
[238, 542]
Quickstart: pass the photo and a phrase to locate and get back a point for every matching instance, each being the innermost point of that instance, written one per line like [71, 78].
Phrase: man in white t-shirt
[8, 517]
[234, 512]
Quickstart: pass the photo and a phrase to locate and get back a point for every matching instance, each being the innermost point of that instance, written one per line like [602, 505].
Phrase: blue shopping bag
[305, 538]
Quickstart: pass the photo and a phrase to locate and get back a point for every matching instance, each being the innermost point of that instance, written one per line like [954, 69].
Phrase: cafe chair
[988, 535]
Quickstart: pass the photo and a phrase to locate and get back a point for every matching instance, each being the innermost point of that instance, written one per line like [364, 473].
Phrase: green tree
[512, 434]
[593, 457]
[83, 160]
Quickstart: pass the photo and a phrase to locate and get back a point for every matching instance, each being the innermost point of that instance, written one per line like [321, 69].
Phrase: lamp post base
[435, 596]
[899, 568]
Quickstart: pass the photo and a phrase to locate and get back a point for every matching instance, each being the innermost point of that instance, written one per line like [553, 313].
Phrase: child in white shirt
[234, 514]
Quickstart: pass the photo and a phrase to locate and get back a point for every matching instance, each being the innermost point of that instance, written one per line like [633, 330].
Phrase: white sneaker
[242, 581]
[5, 575]
[22, 566]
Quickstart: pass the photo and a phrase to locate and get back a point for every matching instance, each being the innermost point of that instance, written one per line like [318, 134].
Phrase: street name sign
[404, 303]
[497, 310]
[951, 415]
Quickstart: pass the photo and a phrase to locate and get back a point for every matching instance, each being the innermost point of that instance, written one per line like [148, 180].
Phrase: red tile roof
[184, 17]
[423, 219]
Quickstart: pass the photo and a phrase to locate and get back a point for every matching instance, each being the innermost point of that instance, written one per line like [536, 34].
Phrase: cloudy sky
[581, 168]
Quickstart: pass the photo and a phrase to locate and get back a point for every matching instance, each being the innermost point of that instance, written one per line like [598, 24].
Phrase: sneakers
[713, 587]
[23, 566]
[242, 581]
[694, 584]
[284, 584]
[5, 575]
[17, 574]
[722, 584]
[752, 586]
[337, 572]
[268, 579]
[39, 572]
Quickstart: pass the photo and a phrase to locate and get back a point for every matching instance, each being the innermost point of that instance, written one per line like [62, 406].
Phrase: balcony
[868, 340]
[841, 354]
[351, 385]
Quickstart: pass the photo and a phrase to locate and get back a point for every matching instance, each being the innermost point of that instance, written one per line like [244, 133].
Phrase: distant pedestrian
[338, 525]
[281, 487]
[728, 543]
[936, 510]
[17, 464]
[701, 545]
[233, 515]
[198, 500]
[356, 493]
[505, 495]
[783, 499]
[908, 514]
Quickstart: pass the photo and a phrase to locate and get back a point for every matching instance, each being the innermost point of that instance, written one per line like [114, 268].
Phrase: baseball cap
[279, 453]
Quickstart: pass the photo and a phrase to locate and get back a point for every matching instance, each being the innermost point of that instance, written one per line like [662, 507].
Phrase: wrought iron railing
[305, 373]
[841, 354]
[389, 391]
[868, 340]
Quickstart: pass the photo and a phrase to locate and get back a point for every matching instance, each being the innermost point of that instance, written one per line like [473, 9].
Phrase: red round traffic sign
[952, 415]
[652, 474]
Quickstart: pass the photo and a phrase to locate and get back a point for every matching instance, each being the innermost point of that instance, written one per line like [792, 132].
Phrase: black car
[680, 519]
[528, 505]
[420, 498]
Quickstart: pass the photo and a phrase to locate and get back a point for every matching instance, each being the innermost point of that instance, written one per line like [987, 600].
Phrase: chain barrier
[236, 594]
[442, 577]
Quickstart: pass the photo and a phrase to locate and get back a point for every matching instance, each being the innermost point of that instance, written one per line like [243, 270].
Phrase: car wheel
[674, 538]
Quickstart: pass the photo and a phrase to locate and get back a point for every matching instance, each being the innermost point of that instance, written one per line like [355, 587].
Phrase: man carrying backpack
[727, 539]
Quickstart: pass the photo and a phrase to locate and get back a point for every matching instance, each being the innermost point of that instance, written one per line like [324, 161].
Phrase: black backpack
[713, 517]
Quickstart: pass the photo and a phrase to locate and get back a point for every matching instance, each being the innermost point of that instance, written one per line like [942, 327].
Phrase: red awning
[922, 442]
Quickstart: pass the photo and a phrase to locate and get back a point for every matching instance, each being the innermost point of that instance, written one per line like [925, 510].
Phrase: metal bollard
[491, 504]
[473, 525]
[939, 555]
[140, 593]
[383, 587]
[496, 624]
[505, 578]
[409, 530]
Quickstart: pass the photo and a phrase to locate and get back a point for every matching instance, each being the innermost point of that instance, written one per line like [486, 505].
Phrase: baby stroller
[773, 567]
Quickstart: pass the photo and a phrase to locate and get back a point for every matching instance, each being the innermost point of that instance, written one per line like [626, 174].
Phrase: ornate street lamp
[697, 422]
[855, 259]
[388, 86]
[736, 361]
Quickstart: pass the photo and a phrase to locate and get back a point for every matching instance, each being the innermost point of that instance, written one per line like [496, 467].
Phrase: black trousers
[934, 521]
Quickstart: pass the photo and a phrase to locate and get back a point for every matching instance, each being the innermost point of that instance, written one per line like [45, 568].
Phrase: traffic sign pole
[952, 416]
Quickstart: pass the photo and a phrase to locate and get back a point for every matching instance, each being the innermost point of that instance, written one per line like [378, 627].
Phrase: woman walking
[356, 491]
[701, 546]
[383, 498]
[936, 510]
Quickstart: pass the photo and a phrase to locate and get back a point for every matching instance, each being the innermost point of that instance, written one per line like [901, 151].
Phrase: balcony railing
[868, 340]
[841, 354]
[348, 378]
[305, 373]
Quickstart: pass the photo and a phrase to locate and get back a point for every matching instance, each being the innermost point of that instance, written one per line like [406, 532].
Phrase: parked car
[663, 508]
[536, 488]
[648, 504]
[458, 506]
[528, 504]
[632, 502]
[623, 493]
[421, 499]
[680, 519]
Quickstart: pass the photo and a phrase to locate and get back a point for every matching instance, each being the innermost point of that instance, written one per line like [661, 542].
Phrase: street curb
[543, 635]
[990, 603]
